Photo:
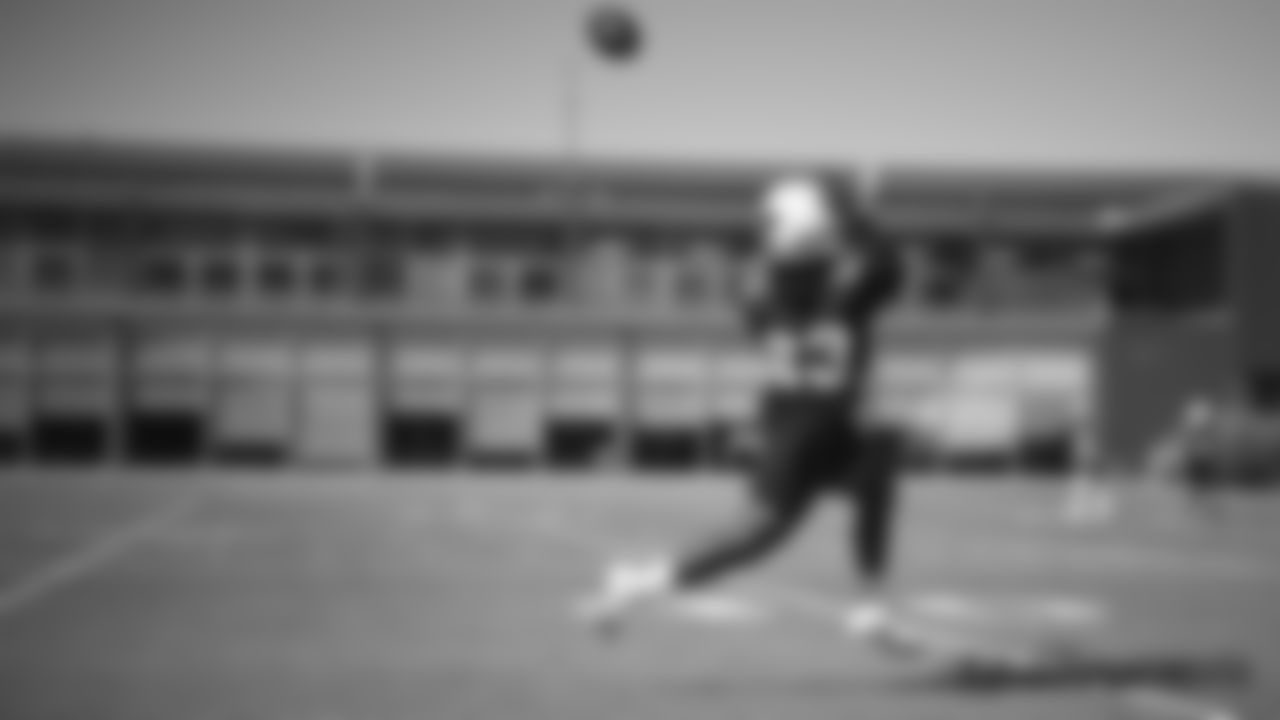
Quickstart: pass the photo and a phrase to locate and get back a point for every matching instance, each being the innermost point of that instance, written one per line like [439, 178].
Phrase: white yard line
[108, 547]
[1092, 557]
[1043, 608]
[1061, 610]
[1166, 705]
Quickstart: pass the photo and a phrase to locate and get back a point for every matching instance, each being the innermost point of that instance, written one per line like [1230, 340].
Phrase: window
[916, 267]
[427, 260]
[997, 283]
[704, 264]
[381, 276]
[8, 265]
[1046, 257]
[541, 282]
[159, 274]
[953, 263]
[1062, 272]
[219, 275]
[544, 260]
[320, 265]
[654, 262]
[599, 268]
[693, 287]
[643, 280]
[16, 262]
[52, 271]
[1172, 268]
[1264, 390]
[276, 276]
[325, 277]
[486, 280]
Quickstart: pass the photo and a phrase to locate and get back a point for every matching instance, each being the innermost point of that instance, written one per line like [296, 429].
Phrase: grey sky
[1188, 84]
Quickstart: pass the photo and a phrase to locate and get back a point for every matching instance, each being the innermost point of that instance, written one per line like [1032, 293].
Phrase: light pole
[613, 35]
[571, 102]
[608, 33]
[569, 127]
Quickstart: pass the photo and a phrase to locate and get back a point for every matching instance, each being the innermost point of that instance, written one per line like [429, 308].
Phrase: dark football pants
[810, 449]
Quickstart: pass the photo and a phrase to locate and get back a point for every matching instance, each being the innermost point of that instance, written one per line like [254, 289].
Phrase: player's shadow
[1079, 670]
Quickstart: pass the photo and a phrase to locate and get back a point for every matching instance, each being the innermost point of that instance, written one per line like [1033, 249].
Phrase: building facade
[202, 306]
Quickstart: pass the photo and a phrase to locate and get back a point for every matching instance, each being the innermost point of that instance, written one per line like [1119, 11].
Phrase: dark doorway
[422, 438]
[165, 437]
[668, 448]
[580, 442]
[69, 439]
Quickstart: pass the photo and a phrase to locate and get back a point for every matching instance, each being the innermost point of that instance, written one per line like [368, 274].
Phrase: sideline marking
[772, 600]
[1043, 610]
[716, 609]
[95, 554]
[1037, 609]
[1173, 705]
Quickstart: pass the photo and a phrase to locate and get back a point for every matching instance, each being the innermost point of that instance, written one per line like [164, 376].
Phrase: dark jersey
[815, 318]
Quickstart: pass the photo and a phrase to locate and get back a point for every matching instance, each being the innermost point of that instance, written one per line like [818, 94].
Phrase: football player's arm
[885, 273]
[879, 286]
[754, 298]
[881, 278]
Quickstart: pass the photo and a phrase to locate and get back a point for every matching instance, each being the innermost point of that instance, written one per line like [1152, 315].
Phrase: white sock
[868, 617]
[633, 581]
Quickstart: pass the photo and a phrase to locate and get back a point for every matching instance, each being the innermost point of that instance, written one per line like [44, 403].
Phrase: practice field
[199, 597]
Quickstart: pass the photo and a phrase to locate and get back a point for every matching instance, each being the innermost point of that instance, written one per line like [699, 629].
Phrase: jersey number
[814, 358]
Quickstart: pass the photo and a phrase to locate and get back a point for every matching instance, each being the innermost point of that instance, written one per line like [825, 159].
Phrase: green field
[288, 597]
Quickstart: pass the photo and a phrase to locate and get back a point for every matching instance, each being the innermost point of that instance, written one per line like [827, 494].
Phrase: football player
[823, 276]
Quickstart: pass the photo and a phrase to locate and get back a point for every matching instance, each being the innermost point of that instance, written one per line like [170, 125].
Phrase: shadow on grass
[1185, 675]
[1080, 670]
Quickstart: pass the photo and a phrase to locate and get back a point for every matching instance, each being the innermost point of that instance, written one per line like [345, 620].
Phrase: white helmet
[798, 217]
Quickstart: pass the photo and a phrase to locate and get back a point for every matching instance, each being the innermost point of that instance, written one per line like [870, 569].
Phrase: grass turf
[300, 597]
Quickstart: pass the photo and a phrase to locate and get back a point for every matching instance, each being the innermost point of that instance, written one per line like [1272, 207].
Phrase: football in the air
[614, 32]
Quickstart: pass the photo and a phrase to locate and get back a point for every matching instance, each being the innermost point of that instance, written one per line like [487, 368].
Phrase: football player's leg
[773, 509]
[873, 490]
[783, 484]
[778, 500]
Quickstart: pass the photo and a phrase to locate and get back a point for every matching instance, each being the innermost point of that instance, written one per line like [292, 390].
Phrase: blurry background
[1089, 84]
[453, 232]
